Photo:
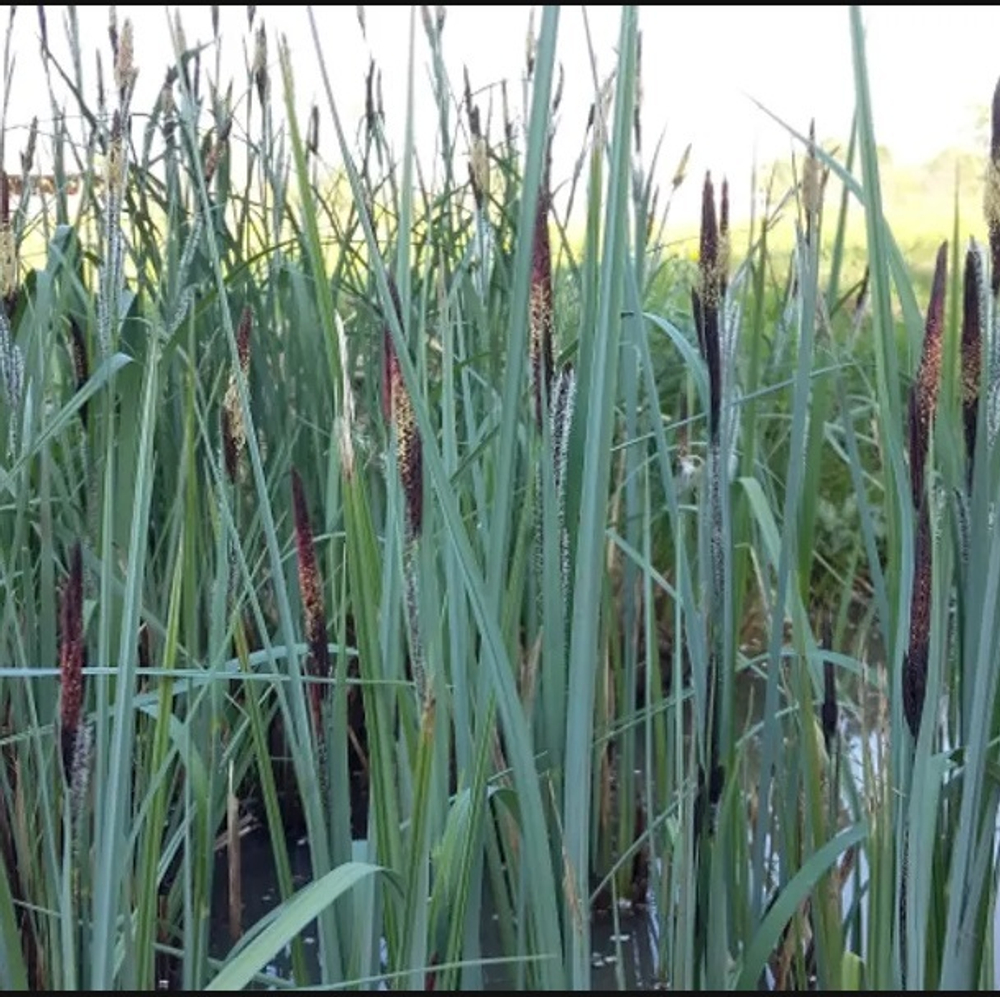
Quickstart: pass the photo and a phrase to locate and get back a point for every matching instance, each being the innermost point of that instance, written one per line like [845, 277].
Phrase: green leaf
[788, 901]
[282, 925]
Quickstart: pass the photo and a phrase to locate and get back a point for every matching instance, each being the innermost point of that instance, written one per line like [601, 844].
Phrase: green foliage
[492, 652]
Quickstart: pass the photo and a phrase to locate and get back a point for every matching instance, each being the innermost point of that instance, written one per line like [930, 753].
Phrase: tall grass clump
[431, 524]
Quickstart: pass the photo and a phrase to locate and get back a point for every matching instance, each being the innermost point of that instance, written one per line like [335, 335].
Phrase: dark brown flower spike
[540, 320]
[861, 298]
[829, 711]
[705, 301]
[558, 95]
[470, 108]
[829, 704]
[397, 408]
[311, 589]
[992, 194]
[230, 450]
[479, 168]
[924, 392]
[923, 402]
[312, 135]
[101, 98]
[409, 454]
[217, 149]
[145, 655]
[259, 68]
[243, 332]
[370, 98]
[72, 661]
[972, 351]
[28, 155]
[915, 661]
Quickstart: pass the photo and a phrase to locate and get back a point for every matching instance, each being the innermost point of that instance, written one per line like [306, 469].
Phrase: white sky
[932, 69]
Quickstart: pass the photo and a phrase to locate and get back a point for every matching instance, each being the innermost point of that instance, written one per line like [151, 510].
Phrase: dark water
[623, 945]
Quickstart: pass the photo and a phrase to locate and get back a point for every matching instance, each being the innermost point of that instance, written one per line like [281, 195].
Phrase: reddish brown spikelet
[924, 392]
[145, 655]
[81, 367]
[409, 452]
[72, 660]
[230, 450]
[243, 333]
[310, 587]
[540, 319]
[397, 408]
[705, 300]
[915, 662]
[972, 351]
